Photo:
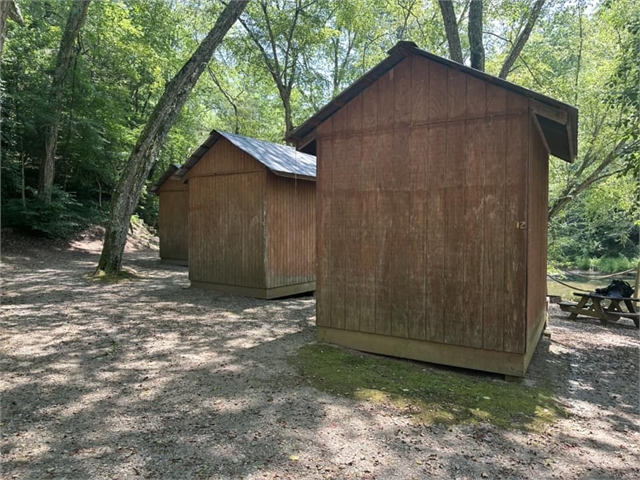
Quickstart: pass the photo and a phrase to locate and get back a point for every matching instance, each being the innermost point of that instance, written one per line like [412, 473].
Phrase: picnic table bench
[606, 309]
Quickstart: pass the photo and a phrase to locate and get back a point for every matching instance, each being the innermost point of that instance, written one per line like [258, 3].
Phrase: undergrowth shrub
[613, 264]
[62, 218]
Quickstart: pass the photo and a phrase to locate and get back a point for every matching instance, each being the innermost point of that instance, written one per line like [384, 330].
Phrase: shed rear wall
[174, 221]
[422, 210]
[227, 215]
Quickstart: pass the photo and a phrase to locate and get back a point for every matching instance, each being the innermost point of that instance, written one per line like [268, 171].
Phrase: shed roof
[557, 121]
[280, 159]
[173, 169]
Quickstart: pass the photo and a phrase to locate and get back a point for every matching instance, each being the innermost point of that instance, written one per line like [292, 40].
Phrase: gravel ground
[152, 379]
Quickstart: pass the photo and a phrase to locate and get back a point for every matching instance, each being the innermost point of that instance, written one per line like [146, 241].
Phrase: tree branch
[522, 39]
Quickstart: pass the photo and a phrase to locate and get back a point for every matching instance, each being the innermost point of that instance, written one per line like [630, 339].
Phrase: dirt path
[151, 379]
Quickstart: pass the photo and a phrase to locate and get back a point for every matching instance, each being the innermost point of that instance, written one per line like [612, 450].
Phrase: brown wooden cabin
[173, 218]
[252, 217]
[432, 212]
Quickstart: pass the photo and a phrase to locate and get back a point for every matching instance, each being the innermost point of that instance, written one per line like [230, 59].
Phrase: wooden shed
[173, 219]
[252, 217]
[432, 212]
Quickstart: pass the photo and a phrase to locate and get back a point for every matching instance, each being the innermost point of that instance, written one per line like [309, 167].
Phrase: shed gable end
[419, 91]
[225, 158]
[172, 185]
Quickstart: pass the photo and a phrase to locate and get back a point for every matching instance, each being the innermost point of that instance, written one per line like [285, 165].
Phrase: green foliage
[613, 264]
[585, 53]
[428, 396]
[607, 264]
[62, 218]
[127, 52]
[603, 222]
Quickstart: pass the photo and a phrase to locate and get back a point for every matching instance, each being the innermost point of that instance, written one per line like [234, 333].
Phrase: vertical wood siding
[227, 218]
[174, 220]
[291, 221]
[538, 167]
[422, 198]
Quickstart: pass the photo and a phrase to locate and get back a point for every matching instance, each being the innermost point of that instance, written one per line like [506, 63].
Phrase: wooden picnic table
[606, 309]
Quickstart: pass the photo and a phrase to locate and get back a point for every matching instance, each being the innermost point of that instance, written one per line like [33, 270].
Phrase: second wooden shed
[173, 219]
[432, 212]
[252, 217]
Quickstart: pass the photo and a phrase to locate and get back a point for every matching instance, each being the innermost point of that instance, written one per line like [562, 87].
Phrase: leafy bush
[584, 263]
[62, 218]
[614, 264]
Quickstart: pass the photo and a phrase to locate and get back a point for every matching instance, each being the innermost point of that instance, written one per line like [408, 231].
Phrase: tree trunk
[451, 29]
[22, 186]
[522, 39]
[475, 35]
[8, 9]
[288, 117]
[99, 192]
[145, 153]
[283, 72]
[77, 17]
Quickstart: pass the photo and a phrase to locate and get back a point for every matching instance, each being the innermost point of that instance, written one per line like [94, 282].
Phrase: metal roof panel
[279, 159]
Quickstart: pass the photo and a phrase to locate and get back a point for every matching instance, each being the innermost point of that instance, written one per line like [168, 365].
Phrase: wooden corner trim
[534, 119]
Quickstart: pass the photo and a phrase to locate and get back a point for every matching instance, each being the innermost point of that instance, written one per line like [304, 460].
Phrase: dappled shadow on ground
[154, 379]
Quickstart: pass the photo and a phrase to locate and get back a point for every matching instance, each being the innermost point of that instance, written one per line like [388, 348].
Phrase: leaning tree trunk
[475, 35]
[8, 9]
[521, 41]
[451, 29]
[77, 17]
[145, 153]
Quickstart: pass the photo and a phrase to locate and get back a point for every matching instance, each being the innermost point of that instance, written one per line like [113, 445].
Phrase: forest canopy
[280, 63]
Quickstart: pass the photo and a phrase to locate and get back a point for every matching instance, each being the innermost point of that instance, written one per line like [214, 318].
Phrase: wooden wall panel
[339, 184]
[368, 221]
[352, 264]
[476, 98]
[435, 300]
[323, 232]
[456, 313]
[417, 232]
[292, 231]
[403, 96]
[438, 88]
[493, 233]
[368, 261]
[385, 247]
[515, 227]
[399, 263]
[419, 91]
[226, 241]
[474, 248]
[385, 169]
[457, 100]
[386, 101]
[496, 100]
[352, 214]
[174, 221]
[369, 108]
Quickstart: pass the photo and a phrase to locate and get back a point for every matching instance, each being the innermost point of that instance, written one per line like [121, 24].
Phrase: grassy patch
[125, 275]
[429, 396]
